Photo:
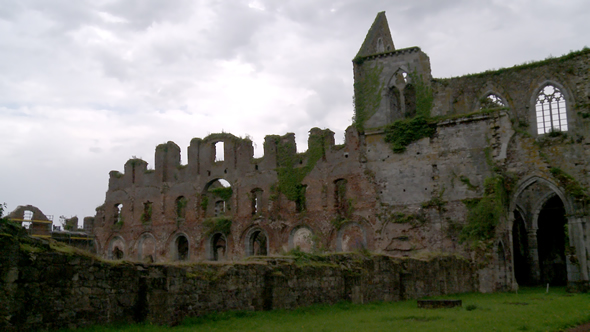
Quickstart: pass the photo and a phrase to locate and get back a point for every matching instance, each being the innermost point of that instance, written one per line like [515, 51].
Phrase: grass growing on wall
[529, 310]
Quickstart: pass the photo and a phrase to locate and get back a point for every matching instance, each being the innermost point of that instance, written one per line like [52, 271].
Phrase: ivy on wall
[290, 173]
[403, 132]
[367, 94]
[217, 225]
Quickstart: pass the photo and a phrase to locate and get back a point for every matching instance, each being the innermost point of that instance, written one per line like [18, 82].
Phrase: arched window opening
[118, 216]
[394, 104]
[146, 215]
[551, 110]
[340, 201]
[219, 151]
[257, 244]
[181, 203]
[256, 199]
[216, 197]
[118, 254]
[491, 101]
[181, 248]
[300, 202]
[409, 101]
[218, 247]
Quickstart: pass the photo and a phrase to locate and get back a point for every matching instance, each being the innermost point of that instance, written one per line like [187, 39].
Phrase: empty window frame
[550, 107]
[219, 149]
[491, 101]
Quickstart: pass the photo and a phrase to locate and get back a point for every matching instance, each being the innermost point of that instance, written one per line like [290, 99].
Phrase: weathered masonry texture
[45, 287]
[491, 166]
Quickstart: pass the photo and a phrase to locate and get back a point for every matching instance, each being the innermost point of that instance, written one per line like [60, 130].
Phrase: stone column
[533, 259]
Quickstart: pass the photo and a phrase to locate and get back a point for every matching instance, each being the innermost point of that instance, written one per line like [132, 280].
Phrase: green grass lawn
[529, 310]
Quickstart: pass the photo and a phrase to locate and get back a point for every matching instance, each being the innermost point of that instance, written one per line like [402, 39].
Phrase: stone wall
[50, 286]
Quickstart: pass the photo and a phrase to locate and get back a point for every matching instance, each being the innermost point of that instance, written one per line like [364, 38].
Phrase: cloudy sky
[87, 84]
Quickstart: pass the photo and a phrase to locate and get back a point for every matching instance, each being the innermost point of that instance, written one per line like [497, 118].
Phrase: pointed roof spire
[378, 39]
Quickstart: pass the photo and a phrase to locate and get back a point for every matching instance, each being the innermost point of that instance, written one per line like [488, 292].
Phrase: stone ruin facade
[490, 166]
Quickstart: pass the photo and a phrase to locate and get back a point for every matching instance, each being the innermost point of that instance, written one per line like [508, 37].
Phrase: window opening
[219, 208]
[218, 246]
[341, 204]
[181, 248]
[551, 110]
[146, 216]
[300, 202]
[258, 244]
[256, 195]
[394, 103]
[181, 208]
[409, 101]
[219, 151]
[118, 217]
[118, 253]
[491, 101]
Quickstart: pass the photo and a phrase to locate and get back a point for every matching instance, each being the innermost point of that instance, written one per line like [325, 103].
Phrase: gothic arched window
[551, 110]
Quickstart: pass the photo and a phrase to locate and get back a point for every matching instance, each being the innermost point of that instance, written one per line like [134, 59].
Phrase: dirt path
[581, 328]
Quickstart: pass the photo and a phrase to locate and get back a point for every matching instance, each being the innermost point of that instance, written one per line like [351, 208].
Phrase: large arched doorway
[552, 239]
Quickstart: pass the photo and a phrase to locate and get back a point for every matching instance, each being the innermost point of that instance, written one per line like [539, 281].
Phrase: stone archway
[551, 240]
[257, 243]
[543, 213]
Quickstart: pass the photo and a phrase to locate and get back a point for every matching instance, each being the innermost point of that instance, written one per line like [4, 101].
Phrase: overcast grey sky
[87, 84]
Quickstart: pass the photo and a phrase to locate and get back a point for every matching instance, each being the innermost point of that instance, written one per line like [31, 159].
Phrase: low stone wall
[53, 286]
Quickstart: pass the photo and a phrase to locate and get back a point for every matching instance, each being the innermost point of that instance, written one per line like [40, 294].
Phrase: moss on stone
[402, 133]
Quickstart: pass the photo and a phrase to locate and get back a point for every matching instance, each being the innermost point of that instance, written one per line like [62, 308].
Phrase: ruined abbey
[490, 166]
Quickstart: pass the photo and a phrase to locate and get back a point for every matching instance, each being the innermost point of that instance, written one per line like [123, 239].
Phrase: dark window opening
[181, 248]
[218, 247]
[394, 104]
[258, 244]
[181, 203]
[146, 215]
[552, 238]
[340, 201]
[300, 202]
[219, 208]
[409, 101]
[118, 253]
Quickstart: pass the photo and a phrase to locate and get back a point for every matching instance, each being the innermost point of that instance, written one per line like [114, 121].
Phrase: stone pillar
[535, 268]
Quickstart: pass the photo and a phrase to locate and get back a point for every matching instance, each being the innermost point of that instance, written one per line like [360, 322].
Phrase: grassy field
[529, 310]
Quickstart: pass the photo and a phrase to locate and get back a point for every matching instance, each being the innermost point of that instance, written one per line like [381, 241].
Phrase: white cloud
[86, 85]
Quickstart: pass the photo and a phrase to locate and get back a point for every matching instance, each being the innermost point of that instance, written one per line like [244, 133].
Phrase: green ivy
[401, 133]
[485, 214]
[367, 94]
[217, 225]
[571, 185]
[424, 95]
[290, 173]
[224, 193]
[204, 202]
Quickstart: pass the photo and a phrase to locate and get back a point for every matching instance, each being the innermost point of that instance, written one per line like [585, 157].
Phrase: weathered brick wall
[47, 288]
